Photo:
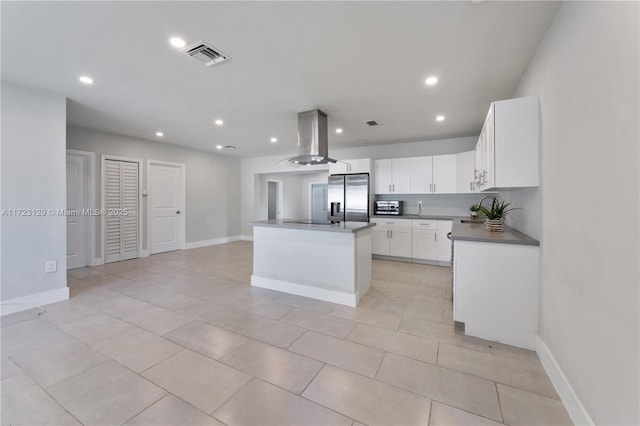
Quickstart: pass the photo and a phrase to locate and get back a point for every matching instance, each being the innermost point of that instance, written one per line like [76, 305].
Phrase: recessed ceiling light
[339, 130]
[85, 80]
[159, 134]
[219, 122]
[218, 146]
[430, 81]
[440, 118]
[177, 42]
[273, 140]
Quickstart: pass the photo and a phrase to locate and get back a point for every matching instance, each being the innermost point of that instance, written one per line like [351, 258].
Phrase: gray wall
[33, 177]
[212, 181]
[587, 76]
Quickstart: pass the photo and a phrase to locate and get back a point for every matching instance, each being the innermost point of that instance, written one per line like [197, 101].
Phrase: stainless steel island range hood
[313, 145]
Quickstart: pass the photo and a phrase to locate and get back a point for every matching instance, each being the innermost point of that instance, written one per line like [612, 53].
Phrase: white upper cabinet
[421, 175]
[360, 165]
[507, 152]
[444, 174]
[465, 182]
[392, 176]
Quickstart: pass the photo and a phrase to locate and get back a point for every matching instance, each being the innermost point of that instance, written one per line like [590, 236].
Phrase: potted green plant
[474, 210]
[495, 214]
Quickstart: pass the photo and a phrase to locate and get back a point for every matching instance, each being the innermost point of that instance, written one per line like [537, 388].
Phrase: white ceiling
[356, 61]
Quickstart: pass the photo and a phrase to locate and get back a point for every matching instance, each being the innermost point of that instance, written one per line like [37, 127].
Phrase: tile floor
[181, 338]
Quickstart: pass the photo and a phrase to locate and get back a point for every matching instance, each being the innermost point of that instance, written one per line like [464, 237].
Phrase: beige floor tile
[264, 308]
[200, 381]
[367, 301]
[430, 329]
[15, 318]
[259, 328]
[445, 415]
[26, 403]
[57, 362]
[366, 400]
[65, 420]
[400, 295]
[95, 328]
[90, 294]
[106, 394]
[368, 316]
[428, 308]
[306, 303]
[341, 353]
[8, 367]
[393, 341]
[171, 411]
[207, 339]
[323, 323]
[67, 311]
[137, 349]
[121, 306]
[521, 408]
[451, 387]
[272, 406]
[389, 305]
[290, 371]
[520, 374]
[157, 320]
[33, 334]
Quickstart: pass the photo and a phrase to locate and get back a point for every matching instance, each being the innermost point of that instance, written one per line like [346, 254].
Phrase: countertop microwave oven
[393, 208]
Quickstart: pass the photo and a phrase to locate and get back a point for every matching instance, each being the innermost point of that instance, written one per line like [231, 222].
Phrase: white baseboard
[327, 295]
[145, 253]
[572, 403]
[97, 261]
[246, 237]
[213, 242]
[33, 301]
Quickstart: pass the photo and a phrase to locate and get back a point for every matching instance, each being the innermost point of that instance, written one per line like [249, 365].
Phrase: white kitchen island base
[332, 263]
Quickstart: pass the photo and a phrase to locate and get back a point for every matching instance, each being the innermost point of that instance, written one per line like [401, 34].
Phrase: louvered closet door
[121, 194]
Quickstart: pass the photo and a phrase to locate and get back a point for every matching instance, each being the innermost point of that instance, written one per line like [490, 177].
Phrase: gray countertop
[474, 231]
[350, 227]
[415, 216]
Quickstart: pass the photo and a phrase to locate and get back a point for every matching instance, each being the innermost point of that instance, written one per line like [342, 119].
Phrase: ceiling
[356, 61]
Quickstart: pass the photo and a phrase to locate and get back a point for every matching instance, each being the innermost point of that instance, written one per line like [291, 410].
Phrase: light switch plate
[51, 266]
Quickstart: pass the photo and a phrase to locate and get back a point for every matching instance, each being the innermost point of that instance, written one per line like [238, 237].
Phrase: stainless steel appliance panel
[357, 197]
[335, 198]
[388, 207]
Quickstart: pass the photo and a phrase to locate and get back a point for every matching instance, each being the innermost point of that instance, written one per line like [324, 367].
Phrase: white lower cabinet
[430, 240]
[495, 291]
[415, 239]
[392, 237]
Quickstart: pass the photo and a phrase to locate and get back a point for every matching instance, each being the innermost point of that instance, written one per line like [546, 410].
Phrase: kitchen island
[330, 262]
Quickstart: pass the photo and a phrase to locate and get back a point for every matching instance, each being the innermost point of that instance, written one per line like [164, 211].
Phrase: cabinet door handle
[435, 237]
[393, 185]
[391, 233]
[470, 186]
[434, 187]
[389, 187]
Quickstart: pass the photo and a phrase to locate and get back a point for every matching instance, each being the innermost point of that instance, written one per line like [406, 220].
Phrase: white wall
[586, 73]
[212, 181]
[252, 167]
[33, 177]
[291, 195]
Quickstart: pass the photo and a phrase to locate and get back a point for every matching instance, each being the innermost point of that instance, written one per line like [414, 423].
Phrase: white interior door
[166, 212]
[77, 198]
[121, 202]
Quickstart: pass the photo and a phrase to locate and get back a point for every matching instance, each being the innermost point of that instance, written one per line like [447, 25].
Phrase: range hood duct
[313, 140]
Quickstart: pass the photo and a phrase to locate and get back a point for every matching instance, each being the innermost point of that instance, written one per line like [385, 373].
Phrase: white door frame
[183, 202]
[310, 194]
[279, 198]
[90, 158]
[105, 157]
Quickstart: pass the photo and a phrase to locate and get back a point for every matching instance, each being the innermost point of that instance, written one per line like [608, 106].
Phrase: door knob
[178, 212]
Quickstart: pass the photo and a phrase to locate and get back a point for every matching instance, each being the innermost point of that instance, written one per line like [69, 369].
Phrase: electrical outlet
[51, 266]
[419, 203]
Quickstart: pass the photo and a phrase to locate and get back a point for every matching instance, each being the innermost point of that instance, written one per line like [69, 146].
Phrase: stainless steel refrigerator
[348, 198]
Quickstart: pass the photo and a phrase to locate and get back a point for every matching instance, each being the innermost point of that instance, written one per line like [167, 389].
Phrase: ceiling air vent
[371, 123]
[206, 53]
